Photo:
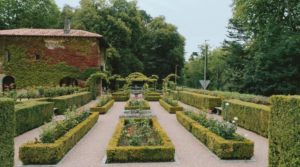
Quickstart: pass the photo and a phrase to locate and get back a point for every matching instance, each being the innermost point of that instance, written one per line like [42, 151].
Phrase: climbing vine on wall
[30, 72]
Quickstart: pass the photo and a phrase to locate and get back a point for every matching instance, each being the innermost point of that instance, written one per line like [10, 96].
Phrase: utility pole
[176, 76]
[205, 60]
[204, 82]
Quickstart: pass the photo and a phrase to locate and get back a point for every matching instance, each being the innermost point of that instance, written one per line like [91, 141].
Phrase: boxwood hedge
[62, 103]
[198, 100]
[145, 106]
[32, 114]
[254, 117]
[7, 132]
[224, 149]
[52, 153]
[103, 109]
[165, 152]
[284, 132]
[169, 108]
[120, 96]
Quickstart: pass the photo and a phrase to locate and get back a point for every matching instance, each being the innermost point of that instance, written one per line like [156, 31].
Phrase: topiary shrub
[7, 132]
[284, 131]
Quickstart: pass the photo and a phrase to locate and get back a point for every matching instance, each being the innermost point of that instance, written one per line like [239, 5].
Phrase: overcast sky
[197, 20]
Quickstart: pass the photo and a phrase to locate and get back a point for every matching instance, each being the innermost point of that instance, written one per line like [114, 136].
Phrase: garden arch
[68, 81]
[8, 83]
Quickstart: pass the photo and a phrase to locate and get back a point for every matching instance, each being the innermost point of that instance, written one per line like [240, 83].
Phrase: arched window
[8, 83]
[68, 81]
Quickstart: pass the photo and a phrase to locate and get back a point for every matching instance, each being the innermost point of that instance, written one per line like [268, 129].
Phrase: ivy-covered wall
[38, 61]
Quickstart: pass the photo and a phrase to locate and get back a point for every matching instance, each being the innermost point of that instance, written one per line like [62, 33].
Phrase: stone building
[39, 57]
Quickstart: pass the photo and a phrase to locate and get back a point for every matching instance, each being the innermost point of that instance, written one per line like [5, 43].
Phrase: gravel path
[90, 151]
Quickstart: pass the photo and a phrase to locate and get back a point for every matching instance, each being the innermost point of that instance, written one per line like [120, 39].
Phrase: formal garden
[149, 83]
[139, 124]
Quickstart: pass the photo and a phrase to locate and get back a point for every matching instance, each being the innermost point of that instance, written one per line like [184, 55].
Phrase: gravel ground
[90, 151]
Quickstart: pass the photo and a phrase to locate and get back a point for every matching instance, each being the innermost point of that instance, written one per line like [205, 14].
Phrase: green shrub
[152, 98]
[55, 130]
[254, 117]
[116, 153]
[32, 114]
[62, 103]
[120, 96]
[284, 132]
[170, 101]
[104, 100]
[199, 101]
[171, 109]
[57, 91]
[103, 109]
[232, 95]
[7, 132]
[240, 148]
[134, 104]
[52, 153]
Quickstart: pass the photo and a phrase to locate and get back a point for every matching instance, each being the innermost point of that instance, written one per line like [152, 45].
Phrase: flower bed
[254, 117]
[171, 107]
[236, 147]
[62, 103]
[52, 153]
[32, 114]
[125, 146]
[104, 105]
[137, 104]
[120, 96]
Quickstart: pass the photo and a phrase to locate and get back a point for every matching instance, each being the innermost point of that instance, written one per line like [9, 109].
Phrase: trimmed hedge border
[7, 132]
[198, 100]
[164, 153]
[284, 132]
[169, 108]
[146, 106]
[103, 109]
[254, 117]
[52, 153]
[32, 114]
[224, 149]
[62, 103]
[152, 98]
[120, 96]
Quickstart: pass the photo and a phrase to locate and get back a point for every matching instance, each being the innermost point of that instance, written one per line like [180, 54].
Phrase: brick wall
[79, 52]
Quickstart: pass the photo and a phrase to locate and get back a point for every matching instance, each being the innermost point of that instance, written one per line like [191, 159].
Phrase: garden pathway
[90, 151]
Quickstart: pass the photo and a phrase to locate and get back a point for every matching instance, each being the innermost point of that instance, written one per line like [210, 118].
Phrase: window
[102, 68]
[37, 57]
[7, 56]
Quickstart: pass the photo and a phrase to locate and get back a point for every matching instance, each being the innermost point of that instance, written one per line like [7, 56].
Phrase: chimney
[67, 27]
